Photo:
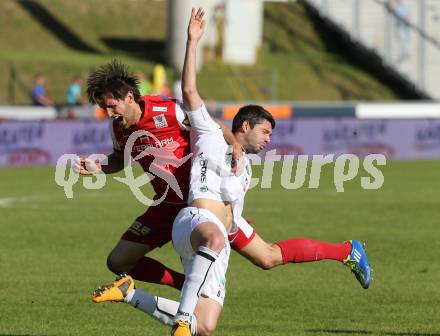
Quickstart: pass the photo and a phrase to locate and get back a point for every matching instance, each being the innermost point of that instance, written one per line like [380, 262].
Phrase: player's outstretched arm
[196, 27]
[86, 166]
[115, 163]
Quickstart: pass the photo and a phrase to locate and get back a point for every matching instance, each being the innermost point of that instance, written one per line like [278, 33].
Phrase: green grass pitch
[53, 252]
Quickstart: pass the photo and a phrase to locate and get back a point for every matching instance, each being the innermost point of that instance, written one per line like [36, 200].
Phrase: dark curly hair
[253, 114]
[113, 78]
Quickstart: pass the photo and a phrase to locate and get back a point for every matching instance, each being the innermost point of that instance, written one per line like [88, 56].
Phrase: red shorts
[153, 228]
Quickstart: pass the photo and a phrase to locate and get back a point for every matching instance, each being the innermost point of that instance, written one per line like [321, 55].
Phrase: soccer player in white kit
[216, 196]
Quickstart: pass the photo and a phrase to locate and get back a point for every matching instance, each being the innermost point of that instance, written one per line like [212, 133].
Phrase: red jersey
[164, 145]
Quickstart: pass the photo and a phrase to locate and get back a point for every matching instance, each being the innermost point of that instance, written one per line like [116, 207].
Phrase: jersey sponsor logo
[203, 167]
[165, 142]
[149, 142]
[160, 108]
[164, 158]
[139, 229]
[160, 121]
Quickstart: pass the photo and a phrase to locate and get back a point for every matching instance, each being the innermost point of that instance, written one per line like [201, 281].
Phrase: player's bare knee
[206, 328]
[215, 241]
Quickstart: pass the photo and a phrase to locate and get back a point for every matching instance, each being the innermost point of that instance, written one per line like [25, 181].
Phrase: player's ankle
[129, 296]
[183, 317]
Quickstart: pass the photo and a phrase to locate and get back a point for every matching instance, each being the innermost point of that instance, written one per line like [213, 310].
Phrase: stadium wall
[281, 110]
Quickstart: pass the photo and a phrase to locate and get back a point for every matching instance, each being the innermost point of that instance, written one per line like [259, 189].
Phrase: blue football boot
[358, 262]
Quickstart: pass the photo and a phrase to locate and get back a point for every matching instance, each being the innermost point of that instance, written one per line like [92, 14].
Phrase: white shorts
[184, 224]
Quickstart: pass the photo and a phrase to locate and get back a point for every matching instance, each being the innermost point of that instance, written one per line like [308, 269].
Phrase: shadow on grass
[366, 332]
[339, 331]
[152, 50]
[409, 334]
[56, 27]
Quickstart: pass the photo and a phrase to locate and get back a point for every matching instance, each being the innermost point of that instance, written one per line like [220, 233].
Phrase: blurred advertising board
[395, 138]
[42, 143]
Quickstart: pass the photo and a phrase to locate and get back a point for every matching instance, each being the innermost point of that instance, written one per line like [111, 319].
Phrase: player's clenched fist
[86, 166]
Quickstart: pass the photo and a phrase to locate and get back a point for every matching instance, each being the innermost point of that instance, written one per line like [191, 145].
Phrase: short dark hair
[253, 114]
[115, 78]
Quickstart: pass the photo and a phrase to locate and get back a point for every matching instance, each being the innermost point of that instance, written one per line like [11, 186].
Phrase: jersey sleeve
[117, 145]
[201, 121]
[181, 116]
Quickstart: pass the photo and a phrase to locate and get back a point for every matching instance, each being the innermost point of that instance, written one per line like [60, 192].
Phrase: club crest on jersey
[160, 108]
[160, 121]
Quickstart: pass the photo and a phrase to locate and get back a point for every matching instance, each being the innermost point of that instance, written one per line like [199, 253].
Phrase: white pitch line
[6, 202]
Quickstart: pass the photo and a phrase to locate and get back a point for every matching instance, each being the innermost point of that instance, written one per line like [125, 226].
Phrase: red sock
[303, 250]
[150, 270]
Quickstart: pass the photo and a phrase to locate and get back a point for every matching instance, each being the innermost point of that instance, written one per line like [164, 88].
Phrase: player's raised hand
[196, 25]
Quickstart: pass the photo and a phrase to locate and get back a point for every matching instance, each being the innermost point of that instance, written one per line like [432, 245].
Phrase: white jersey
[211, 176]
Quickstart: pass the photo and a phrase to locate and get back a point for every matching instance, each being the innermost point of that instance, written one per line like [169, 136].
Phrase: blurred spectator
[73, 95]
[403, 29]
[159, 81]
[100, 113]
[158, 78]
[144, 84]
[38, 94]
[166, 90]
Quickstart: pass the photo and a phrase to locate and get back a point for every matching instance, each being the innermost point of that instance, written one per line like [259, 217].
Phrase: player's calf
[125, 255]
[115, 266]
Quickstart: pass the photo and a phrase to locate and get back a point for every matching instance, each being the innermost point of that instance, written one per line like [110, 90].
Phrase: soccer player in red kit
[163, 121]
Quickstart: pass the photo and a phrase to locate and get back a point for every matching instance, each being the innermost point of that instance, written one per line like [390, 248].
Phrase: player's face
[257, 138]
[116, 108]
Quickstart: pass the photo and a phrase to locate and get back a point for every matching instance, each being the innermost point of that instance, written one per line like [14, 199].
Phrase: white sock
[194, 281]
[160, 308]
[150, 304]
